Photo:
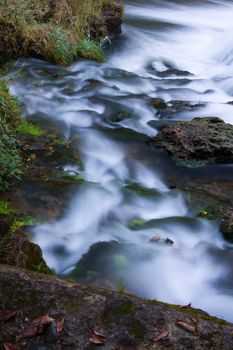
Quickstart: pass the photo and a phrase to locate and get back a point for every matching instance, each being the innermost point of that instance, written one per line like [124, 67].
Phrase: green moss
[125, 308]
[41, 267]
[190, 163]
[27, 128]
[137, 329]
[140, 190]
[190, 311]
[135, 224]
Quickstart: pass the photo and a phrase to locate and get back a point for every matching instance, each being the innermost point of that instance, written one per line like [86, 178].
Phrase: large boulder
[197, 142]
[115, 320]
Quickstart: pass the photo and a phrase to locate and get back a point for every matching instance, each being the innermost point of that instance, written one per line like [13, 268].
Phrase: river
[175, 50]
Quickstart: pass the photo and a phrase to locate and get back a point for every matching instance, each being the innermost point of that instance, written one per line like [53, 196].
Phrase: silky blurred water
[175, 50]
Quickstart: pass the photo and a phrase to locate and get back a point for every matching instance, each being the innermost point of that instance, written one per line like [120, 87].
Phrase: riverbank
[57, 31]
[172, 260]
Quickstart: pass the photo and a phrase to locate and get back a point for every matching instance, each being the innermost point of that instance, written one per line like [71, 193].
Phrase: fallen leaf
[186, 326]
[60, 325]
[155, 239]
[30, 330]
[10, 346]
[33, 156]
[186, 306]
[7, 314]
[161, 335]
[97, 338]
[42, 320]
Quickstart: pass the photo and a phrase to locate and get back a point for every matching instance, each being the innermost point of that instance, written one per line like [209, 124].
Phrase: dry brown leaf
[30, 330]
[10, 346]
[162, 335]
[97, 338]
[60, 325]
[42, 320]
[7, 314]
[154, 239]
[186, 326]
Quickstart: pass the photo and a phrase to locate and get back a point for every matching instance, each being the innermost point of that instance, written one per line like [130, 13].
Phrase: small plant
[89, 49]
[10, 160]
[60, 47]
[120, 286]
[28, 128]
[42, 268]
[20, 223]
[9, 107]
[5, 208]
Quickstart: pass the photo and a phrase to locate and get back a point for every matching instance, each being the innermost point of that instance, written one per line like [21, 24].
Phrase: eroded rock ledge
[199, 141]
[126, 321]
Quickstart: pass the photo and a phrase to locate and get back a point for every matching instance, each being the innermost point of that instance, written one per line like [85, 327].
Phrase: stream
[174, 50]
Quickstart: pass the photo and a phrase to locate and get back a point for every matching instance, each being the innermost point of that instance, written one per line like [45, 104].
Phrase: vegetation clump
[27, 128]
[10, 160]
[59, 31]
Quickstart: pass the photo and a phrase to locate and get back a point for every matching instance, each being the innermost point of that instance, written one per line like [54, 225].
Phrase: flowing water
[175, 50]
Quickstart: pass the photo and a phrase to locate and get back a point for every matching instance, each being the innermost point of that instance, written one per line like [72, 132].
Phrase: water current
[175, 50]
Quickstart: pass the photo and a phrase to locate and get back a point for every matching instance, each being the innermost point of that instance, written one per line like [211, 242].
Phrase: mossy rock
[197, 142]
[127, 322]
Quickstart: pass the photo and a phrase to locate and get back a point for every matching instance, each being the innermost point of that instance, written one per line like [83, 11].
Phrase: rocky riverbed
[114, 185]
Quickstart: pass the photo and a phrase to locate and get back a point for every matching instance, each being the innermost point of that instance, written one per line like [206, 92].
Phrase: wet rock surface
[215, 201]
[122, 320]
[39, 195]
[44, 186]
[197, 142]
[110, 23]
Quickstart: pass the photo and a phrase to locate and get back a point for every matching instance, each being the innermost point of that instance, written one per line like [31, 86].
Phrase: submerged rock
[122, 320]
[197, 142]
